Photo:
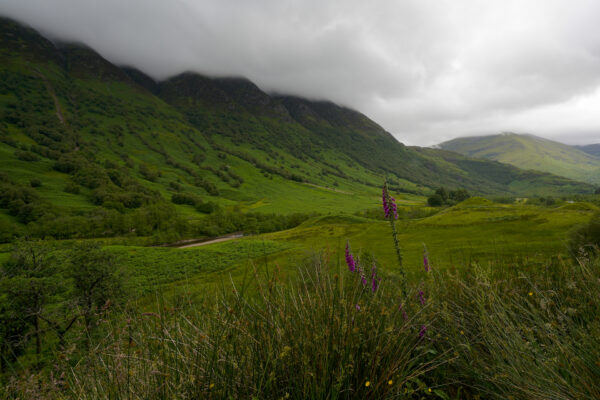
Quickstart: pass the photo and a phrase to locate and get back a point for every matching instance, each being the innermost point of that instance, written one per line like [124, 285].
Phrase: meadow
[500, 309]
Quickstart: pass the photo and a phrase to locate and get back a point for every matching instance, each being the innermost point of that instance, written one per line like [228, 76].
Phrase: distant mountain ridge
[533, 153]
[592, 149]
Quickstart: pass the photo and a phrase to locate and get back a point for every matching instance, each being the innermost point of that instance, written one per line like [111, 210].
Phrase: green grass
[500, 331]
[149, 269]
[474, 231]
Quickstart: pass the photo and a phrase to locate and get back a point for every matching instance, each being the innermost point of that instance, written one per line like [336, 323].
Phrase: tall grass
[523, 331]
[324, 336]
[496, 331]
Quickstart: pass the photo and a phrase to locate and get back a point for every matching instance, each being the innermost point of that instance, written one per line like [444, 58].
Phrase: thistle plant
[391, 214]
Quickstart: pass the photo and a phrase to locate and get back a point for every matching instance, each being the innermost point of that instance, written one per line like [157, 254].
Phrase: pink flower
[404, 314]
[421, 297]
[374, 279]
[350, 259]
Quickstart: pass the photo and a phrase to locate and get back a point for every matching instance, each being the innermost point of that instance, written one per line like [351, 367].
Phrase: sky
[426, 70]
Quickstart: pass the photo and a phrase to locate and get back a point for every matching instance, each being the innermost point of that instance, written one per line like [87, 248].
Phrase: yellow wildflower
[367, 383]
[212, 385]
[531, 293]
[390, 382]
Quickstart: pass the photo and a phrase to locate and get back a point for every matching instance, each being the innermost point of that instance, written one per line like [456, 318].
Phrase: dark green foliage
[584, 240]
[26, 156]
[21, 201]
[185, 198]
[44, 295]
[149, 173]
[95, 280]
[29, 281]
[71, 187]
[435, 200]
[443, 197]
[35, 183]
[221, 222]
[542, 201]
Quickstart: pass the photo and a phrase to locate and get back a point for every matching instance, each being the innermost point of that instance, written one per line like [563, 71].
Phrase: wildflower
[426, 260]
[350, 259]
[423, 331]
[393, 207]
[462, 332]
[421, 297]
[531, 293]
[212, 385]
[367, 383]
[390, 382]
[389, 206]
[386, 207]
[363, 279]
[374, 279]
[404, 315]
[429, 390]
[357, 307]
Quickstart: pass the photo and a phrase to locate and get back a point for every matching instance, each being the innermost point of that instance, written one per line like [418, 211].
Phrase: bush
[26, 156]
[185, 198]
[71, 187]
[584, 240]
[149, 173]
[35, 182]
[435, 201]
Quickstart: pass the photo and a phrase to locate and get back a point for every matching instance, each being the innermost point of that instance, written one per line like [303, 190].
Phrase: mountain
[531, 153]
[88, 146]
[591, 149]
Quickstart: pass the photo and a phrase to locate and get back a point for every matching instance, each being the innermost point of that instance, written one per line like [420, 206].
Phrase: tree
[435, 200]
[459, 195]
[442, 193]
[29, 282]
[95, 279]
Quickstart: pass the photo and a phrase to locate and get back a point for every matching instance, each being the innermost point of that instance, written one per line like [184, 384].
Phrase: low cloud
[427, 70]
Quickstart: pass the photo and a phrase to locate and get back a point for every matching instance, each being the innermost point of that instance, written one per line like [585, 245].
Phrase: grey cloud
[427, 70]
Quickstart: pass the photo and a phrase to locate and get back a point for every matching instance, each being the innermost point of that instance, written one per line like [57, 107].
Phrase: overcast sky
[426, 70]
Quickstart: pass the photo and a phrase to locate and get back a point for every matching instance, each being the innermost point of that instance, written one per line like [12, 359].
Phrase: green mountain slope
[591, 149]
[532, 153]
[89, 148]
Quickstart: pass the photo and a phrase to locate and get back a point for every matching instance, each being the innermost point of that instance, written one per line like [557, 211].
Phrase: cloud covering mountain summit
[427, 70]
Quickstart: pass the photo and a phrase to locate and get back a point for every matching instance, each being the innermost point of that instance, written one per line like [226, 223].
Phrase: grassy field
[476, 231]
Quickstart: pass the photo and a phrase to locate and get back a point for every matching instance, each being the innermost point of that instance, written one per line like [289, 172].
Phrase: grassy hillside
[89, 149]
[592, 149]
[531, 153]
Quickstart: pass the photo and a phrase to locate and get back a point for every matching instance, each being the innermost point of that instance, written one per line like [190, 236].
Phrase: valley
[198, 237]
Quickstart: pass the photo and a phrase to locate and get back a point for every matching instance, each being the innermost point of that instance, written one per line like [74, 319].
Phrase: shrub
[35, 182]
[435, 200]
[584, 240]
[185, 198]
[26, 156]
[71, 187]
